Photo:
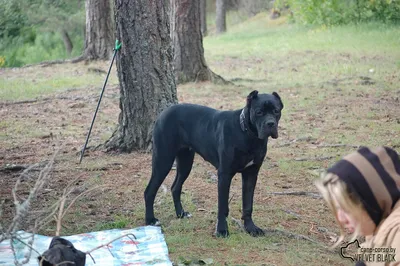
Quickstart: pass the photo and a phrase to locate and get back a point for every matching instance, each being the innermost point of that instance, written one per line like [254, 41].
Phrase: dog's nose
[271, 123]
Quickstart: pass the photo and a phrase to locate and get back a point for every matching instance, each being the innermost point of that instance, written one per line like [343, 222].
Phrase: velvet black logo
[354, 252]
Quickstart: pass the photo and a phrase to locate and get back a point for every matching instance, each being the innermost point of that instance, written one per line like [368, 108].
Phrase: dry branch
[108, 243]
[314, 195]
[248, 80]
[306, 139]
[22, 208]
[62, 61]
[290, 235]
[298, 216]
[217, 79]
[279, 232]
[63, 199]
[47, 99]
[13, 168]
[338, 146]
[323, 158]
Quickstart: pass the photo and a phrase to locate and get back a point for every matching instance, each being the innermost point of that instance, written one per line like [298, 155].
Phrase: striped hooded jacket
[374, 175]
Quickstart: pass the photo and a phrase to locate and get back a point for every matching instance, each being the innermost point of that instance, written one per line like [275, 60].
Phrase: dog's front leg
[224, 184]
[249, 180]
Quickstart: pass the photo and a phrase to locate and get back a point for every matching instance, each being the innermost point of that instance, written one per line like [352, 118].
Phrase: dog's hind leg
[161, 165]
[184, 163]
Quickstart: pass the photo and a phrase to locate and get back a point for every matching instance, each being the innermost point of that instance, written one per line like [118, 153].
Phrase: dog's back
[188, 125]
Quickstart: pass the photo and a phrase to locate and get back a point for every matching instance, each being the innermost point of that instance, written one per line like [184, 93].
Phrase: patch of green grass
[33, 82]
[21, 88]
[302, 57]
[119, 222]
[16, 129]
[233, 17]
[259, 35]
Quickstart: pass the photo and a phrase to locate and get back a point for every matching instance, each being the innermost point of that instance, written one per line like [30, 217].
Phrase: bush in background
[30, 30]
[336, 12]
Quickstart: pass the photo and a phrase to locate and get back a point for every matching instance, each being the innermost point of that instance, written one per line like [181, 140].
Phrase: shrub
[334, 12]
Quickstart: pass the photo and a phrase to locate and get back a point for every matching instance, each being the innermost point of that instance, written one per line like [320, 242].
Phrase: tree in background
[203, 17]
[99, 37]
[55, 16]
[144, 66]
[34, 30]
[253, 7]
[187, 41]
[220, 16]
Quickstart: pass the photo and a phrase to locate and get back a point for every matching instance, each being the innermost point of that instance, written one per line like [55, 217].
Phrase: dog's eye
[259, 112]
[276, 111]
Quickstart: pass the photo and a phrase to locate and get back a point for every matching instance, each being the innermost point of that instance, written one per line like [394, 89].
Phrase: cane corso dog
[232, 141]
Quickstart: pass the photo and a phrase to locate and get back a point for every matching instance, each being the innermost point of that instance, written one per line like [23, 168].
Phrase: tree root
[62, 61]
[217, 79]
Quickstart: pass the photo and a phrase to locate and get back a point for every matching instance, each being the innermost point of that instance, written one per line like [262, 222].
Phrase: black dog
[62, 252]
[232, 141]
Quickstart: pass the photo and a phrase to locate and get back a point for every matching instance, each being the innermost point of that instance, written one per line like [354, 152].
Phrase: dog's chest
[249, 164]
[247, 159]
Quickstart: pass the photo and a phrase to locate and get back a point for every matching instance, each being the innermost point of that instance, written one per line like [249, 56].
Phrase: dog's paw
[222, 233]
[221, 229]
[254, 230]
[154, 222]
[257, 232]
[184, 215]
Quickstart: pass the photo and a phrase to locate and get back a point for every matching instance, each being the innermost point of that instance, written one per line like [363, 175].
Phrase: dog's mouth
[269, 132]
[274, 132]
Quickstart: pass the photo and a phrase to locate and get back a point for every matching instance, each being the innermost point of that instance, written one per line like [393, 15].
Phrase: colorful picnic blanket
[149, 247]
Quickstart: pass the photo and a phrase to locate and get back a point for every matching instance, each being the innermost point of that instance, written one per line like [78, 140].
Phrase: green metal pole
[117, 47]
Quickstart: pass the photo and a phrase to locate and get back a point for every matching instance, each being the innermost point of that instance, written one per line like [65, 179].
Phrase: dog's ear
[251, 96]
[278, 97]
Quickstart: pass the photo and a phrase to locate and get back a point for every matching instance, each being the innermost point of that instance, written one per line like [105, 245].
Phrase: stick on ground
[314, 195]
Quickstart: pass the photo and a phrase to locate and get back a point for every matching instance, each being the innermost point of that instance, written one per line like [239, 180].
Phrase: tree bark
[99, 41]
[144, 66]
[253, 7]
[203, 17]
[189, 62]
[220, 16]
[232, 4]
[67, 41]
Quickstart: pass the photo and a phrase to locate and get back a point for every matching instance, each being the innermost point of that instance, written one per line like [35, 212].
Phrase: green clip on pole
[116, 48]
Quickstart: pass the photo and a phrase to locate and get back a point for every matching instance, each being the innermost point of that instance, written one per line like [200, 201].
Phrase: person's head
[362, 189]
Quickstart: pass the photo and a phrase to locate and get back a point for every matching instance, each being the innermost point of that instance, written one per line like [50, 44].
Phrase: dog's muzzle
[270, 129]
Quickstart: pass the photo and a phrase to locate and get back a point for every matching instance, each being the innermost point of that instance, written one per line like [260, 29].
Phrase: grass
[28, 84]
[266, 36]
[317, 72]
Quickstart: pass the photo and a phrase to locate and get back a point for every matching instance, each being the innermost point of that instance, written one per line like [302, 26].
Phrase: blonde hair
[333, 189]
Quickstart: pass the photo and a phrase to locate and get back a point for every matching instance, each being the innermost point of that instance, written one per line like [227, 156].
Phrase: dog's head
[264, 113]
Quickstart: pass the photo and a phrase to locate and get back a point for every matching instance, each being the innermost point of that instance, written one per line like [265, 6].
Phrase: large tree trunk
[99, 39]
[67, 41]
[187, 41]
[232, 4]
[203, 17]
[144, 66]
[220, 16]
[253, 7]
